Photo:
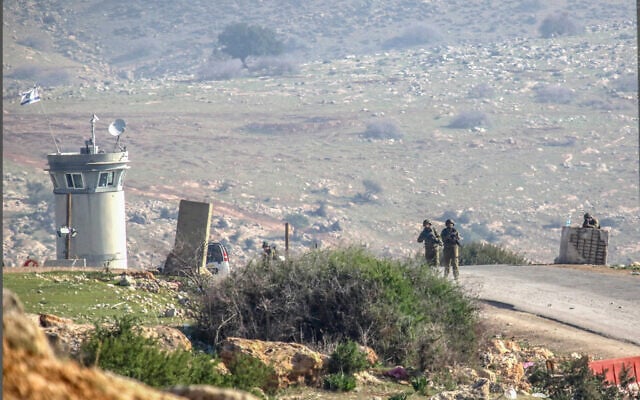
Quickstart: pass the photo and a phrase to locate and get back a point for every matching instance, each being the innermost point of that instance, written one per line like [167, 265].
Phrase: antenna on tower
[91, 143]
[116, 128]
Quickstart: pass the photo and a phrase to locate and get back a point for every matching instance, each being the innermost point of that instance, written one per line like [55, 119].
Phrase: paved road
[601, 303]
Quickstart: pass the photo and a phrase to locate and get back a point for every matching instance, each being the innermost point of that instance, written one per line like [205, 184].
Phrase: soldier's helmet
[426, 222]
[587, 216]
[265, 244]
[449, 221]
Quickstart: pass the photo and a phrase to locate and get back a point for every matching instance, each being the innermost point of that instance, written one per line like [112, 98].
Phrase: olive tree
[240, 40]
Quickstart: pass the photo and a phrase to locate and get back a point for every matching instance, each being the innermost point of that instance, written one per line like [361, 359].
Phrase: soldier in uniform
[450, 254]
[590, 222]
[266, 252]
[432, 241]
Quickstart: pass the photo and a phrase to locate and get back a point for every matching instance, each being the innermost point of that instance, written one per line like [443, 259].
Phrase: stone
[293, 363]
[204, 392]
[30, 369]
[168, 338]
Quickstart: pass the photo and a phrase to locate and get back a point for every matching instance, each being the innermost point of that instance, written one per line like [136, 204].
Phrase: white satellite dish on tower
[116, 128]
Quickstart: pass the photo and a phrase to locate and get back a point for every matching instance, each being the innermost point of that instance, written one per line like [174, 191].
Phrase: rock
[126, 280]
[19, 333]
[366, 378]
[482, 388]
[168, 338]
[372, 357]
[31, 371]
[292, 362]
[203, 392]
[65, 336]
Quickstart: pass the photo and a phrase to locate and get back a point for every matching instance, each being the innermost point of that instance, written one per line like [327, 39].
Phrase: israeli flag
[32, 96]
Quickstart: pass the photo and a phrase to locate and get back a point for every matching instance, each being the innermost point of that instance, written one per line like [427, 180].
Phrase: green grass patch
[86, 297]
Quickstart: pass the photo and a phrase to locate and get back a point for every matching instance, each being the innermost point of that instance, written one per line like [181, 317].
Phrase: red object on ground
[613, 367]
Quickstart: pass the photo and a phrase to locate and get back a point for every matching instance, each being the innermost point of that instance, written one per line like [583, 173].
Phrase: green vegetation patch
[401, 309]
[86, 297]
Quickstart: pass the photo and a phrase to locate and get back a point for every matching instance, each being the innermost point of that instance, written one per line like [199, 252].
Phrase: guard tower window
[106, 179]
[74, 181]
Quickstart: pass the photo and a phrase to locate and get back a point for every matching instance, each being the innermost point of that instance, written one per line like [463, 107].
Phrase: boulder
[292, 362]
[168, 338]
[31, 371]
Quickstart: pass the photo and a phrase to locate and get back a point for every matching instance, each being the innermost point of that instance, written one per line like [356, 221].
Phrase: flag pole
[50, 130]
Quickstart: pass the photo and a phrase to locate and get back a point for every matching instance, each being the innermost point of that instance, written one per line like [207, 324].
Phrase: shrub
[339, 382]
[348, 358]
[248, 373]
[484, 253]
[575, 380]
[382, 130]
[627, 83]
[406, 313]
[481, 91]
[557, 25]
[118, 348]
[419, 384]
[297, 220]
[414, 35]
[554, 94]
[41, 43]
[468, 120]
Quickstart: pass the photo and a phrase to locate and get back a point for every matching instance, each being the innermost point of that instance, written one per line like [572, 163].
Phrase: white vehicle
[217, 259]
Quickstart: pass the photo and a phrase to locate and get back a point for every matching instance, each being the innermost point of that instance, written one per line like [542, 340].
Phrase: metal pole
[68, 240]
[286, 239]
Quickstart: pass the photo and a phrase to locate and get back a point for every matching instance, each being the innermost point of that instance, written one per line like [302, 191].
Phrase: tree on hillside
[240, 40]
[557, 25]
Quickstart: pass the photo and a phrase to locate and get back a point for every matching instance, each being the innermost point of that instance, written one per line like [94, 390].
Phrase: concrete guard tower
[89, 203]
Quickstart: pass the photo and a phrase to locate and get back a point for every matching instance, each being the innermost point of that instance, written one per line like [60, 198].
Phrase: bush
[41, 43]
[348, 358]
[575, 380]
[468, 120]
[406, 313]
[297, 220]
[248, 373]
[557, 25]
[554, 94]
[382, 130]
[481, 91]
[627, 83]
[484, 253]
[339, 382]
[118, 348]
[414, 35]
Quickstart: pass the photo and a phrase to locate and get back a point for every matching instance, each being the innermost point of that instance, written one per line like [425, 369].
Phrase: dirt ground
[559, 338]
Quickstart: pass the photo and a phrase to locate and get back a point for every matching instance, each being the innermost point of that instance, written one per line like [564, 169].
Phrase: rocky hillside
[137, 39]
[483, 120]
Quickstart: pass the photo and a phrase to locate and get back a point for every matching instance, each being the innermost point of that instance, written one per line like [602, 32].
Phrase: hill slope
[507, 134]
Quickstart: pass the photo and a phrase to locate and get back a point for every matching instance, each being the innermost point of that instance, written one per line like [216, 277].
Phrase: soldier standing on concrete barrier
[450, 254]
[432, 241]
[590, 222]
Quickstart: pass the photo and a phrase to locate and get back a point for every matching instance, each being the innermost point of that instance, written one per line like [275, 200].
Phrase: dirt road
[591, 310]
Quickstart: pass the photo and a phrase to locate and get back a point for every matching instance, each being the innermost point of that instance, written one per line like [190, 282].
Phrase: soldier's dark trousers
[449, 260]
